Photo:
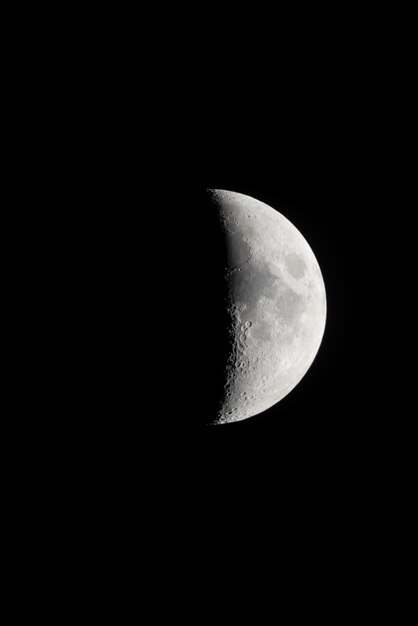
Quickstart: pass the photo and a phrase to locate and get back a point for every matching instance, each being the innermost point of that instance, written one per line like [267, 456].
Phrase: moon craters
[277, 306]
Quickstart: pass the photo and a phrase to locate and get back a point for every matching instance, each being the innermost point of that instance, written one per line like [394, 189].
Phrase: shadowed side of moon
[240, 304]
[197, 318]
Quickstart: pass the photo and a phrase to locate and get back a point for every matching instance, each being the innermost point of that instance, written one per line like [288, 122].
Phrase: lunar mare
[276, 305]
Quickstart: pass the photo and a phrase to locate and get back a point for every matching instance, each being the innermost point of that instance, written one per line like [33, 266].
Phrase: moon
[276, 305]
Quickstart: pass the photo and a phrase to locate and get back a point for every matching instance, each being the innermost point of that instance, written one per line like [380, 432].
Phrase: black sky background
[146, 126]
[312, 141]
[327, 451]
[325, 163]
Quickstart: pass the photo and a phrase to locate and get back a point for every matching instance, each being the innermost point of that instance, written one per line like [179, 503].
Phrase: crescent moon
[276, 305]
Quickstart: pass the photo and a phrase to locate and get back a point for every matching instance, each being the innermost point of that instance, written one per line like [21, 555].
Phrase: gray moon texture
[276, 305]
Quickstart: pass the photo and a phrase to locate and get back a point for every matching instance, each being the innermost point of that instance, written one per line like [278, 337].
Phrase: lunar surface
[276, 305]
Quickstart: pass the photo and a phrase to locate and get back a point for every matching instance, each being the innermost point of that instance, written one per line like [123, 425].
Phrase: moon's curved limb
[276, 305]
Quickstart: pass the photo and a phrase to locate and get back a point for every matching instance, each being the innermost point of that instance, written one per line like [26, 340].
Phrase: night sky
[141, 334]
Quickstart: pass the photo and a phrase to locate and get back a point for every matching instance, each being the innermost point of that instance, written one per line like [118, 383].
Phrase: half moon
[276, 305]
